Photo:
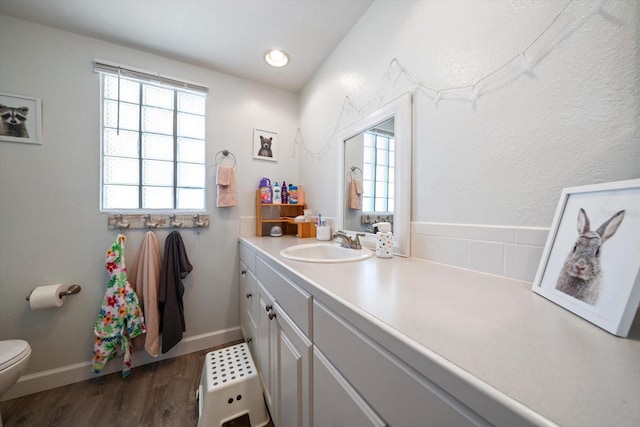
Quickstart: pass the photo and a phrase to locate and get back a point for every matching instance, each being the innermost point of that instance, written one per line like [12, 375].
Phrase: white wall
[51, 228]
[575, 120]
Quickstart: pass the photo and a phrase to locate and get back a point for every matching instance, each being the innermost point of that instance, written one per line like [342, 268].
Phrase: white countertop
[517, 343]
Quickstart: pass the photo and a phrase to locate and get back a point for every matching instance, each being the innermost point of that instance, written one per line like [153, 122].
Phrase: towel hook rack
[224, 154]
[173, 222]
[119, 223]
[197, 221]
[148, 223]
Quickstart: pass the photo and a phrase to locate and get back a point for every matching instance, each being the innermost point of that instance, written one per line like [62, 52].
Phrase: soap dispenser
[384, 240]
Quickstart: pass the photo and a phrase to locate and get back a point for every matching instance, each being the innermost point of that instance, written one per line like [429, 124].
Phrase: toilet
[14, 357]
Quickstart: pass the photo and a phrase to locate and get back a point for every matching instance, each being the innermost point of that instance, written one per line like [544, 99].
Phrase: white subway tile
[487, 257]
[419, 227]
[452, 251]
[521, 261]
[423, 246]
[247, 226]
[531, 236]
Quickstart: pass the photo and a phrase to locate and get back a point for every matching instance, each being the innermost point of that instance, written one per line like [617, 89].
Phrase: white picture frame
[591, 261]
[265, 145]
[12, 127]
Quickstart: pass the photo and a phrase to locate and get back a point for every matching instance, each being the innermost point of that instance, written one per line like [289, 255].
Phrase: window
[378, 171]
[153, 144]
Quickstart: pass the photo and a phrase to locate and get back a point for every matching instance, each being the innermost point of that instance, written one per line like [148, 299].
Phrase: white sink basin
[324, 252]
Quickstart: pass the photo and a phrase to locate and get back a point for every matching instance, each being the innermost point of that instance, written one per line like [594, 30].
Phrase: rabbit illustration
[581, 273]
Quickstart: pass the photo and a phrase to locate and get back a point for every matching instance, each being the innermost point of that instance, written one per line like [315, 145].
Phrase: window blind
[103, 67]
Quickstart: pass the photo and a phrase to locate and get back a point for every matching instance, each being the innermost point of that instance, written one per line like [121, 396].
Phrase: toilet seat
[12, 352]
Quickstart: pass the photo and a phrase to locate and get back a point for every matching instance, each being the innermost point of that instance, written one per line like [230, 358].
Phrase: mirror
[375, 180]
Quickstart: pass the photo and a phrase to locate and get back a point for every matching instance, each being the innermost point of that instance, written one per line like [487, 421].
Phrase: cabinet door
[293, 372]
[248, 306]
[245, 297]
[335, 402]
[265, 347]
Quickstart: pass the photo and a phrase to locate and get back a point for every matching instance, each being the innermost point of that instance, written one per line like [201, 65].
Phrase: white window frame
[390, 172]
[145, 78]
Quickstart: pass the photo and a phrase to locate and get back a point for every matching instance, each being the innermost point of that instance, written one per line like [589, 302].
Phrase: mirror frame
[400, 109]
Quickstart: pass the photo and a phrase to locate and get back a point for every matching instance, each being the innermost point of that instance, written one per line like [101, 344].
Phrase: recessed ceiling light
[276, 57]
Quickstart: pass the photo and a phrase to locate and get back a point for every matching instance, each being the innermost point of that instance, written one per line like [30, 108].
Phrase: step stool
[230, 393]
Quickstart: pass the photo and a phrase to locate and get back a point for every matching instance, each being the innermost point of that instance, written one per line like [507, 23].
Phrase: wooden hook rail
[154, 221]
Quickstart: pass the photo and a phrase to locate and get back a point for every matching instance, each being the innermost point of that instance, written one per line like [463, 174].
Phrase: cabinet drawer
[294, 300]
[399, 394]
[247, 256]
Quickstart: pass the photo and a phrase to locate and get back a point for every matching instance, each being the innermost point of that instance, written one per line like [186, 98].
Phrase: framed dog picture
[20, 119]
[591, 261]
[265, 145]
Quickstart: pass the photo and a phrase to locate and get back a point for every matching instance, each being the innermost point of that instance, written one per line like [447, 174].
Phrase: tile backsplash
[513, 252]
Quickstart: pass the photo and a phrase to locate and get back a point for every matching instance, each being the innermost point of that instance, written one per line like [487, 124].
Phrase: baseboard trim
[52, 378]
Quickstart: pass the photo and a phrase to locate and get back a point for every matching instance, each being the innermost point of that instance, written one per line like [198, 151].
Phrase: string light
[473, 89]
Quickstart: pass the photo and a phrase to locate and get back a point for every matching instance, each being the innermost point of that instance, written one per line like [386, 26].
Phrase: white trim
[400, 109]
[57, 377]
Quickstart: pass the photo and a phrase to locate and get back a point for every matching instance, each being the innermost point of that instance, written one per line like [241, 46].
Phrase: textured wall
[571, 118]
[51, 229]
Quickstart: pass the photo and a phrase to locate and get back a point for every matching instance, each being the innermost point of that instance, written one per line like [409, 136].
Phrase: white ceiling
[230, 36]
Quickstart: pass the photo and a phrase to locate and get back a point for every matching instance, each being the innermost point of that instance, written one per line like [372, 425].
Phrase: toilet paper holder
[73, 289]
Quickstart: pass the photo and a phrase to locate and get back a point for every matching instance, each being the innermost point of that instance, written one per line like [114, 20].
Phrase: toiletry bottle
[293, 194]
[285, 194]
[277, 196]
[384, 240]
[301, 200]
[266, 195]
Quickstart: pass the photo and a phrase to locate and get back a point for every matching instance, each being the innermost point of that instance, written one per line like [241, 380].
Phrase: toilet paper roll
[47, 297]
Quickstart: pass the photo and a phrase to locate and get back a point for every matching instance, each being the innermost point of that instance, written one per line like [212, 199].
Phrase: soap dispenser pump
[384, 240]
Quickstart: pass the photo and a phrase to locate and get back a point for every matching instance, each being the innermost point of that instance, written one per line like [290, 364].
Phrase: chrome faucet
[346, 241]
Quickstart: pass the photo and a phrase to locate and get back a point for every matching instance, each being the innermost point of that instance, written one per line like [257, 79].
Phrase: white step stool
[230, 390]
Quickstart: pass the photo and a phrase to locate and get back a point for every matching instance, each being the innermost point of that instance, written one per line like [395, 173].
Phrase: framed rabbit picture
[591, 261]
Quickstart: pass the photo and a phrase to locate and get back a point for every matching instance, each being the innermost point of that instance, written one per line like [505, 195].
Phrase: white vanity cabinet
[281, 348]
[317, 369]
[399, 395]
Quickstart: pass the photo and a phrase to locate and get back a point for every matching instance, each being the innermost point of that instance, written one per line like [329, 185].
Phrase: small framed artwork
[591, 261]
[265, 145]
[20, 119]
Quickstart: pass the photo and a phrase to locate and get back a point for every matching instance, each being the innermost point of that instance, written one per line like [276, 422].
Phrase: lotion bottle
[384, 240]
[277, 196]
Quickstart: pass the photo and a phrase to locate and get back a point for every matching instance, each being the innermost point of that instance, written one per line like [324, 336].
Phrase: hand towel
[223, 175]
[175, 267]
[144, 276]
[226, 192]
[355, 193]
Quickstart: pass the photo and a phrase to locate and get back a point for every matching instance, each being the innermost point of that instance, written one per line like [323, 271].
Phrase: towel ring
[354, 169]
[224, 154]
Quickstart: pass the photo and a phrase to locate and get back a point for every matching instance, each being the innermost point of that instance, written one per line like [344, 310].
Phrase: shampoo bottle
[277, 196]
[384, 240]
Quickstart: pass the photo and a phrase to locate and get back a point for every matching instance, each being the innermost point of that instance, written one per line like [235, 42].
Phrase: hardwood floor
[158, 394]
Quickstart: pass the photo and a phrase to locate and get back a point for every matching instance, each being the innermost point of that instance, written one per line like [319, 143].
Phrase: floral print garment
[120, 318]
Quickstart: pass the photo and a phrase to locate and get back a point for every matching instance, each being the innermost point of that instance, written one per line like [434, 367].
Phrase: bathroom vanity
[407, 342]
